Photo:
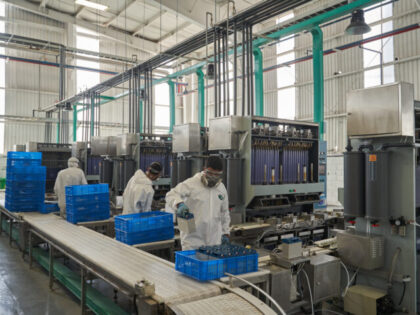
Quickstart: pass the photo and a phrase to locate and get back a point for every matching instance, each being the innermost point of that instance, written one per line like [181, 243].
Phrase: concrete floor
[25, 291]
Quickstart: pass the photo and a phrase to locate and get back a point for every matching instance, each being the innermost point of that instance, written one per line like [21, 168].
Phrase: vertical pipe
[171, 85]
[216, 73]
[224, 72]
[74, 123]
[243, 70]
[92, 116]
[58, 125]
[227, 74]
[318, 77]
[251, 70]
[235, 71]
[219, 109]
[201, 91]
[259, 82]
[248, 68]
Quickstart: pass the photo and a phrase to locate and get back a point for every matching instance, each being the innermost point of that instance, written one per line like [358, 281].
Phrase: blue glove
[182, 210]
[225, 239]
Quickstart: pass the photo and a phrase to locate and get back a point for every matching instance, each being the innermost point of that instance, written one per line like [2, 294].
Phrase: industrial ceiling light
[357, 25]
[92, 5]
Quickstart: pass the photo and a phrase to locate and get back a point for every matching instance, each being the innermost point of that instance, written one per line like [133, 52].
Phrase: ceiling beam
[193, 11]
[119, 14]
[142, 44]
[79, 11]
[148, 22]
[43, 3]
[174, 31]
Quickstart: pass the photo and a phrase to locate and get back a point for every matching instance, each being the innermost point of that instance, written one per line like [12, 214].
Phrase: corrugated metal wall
[29, 86]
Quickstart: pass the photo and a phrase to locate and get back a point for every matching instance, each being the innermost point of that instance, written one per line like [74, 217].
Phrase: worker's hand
[225, 239]
[182, 210]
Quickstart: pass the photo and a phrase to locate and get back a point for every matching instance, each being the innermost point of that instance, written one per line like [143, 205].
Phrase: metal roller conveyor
[122, 262]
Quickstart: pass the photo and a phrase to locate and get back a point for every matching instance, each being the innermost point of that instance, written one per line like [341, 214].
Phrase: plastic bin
[86, 199]
[24, 155]
[2, 183]
[49, 208]
[78, 190]
[93, 215]
[98, 206]
[145, 221]
[155, 235]
[199, 266]
[30, 173]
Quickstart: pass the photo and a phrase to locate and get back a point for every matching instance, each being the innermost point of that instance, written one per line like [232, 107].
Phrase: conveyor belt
[229, 303]
[123, 262]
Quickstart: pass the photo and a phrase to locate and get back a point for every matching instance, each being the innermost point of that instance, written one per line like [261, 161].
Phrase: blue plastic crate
[101, 206]
[241, 264]
[144, 221]
[24, 155]
[24, 207]
[22, 162]
[87, 199]
[199, 266]
[24, 191]
[156, 235]
[87, 216]
[49, 208]
[78, 190]
[30, 173]
[25, 184]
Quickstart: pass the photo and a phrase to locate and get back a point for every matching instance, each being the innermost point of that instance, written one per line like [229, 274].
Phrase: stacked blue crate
[87, 203]
[25, 182]
[144, 227]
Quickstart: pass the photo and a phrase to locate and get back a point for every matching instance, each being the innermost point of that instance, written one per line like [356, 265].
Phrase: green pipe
[259, 82]
[318, 73]
[141, 116]
[171, 105]
[201, 108]
[74, 123]
[293, 29]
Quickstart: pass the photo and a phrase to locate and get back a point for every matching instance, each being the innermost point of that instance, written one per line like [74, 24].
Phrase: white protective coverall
[72, 175]
[210, 207]
[138, 195]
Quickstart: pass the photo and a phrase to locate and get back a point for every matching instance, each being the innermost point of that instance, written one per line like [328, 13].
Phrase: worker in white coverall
[205, 196]
[138, 195]
[72, 175]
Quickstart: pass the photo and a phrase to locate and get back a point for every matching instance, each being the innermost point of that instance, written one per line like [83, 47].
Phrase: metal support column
[30, 248]
[51, 267]
[83, 273]
[318, 74]
[171, 105]
[259, 82]
[201, 91]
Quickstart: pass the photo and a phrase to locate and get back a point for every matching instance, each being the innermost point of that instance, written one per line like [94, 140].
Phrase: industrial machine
[122, 155]
[380, 193]
[190, 150]
[88, 163]
[54, 157]
[272, 176]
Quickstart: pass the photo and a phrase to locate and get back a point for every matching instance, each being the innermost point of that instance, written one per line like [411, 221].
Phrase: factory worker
[138, 195]
[205, 196]
[72, 175]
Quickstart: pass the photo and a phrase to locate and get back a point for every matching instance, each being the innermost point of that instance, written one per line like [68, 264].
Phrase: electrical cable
[348, 278]
[393, 264]
[310, 291]
[261, 291]
[403, 293]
